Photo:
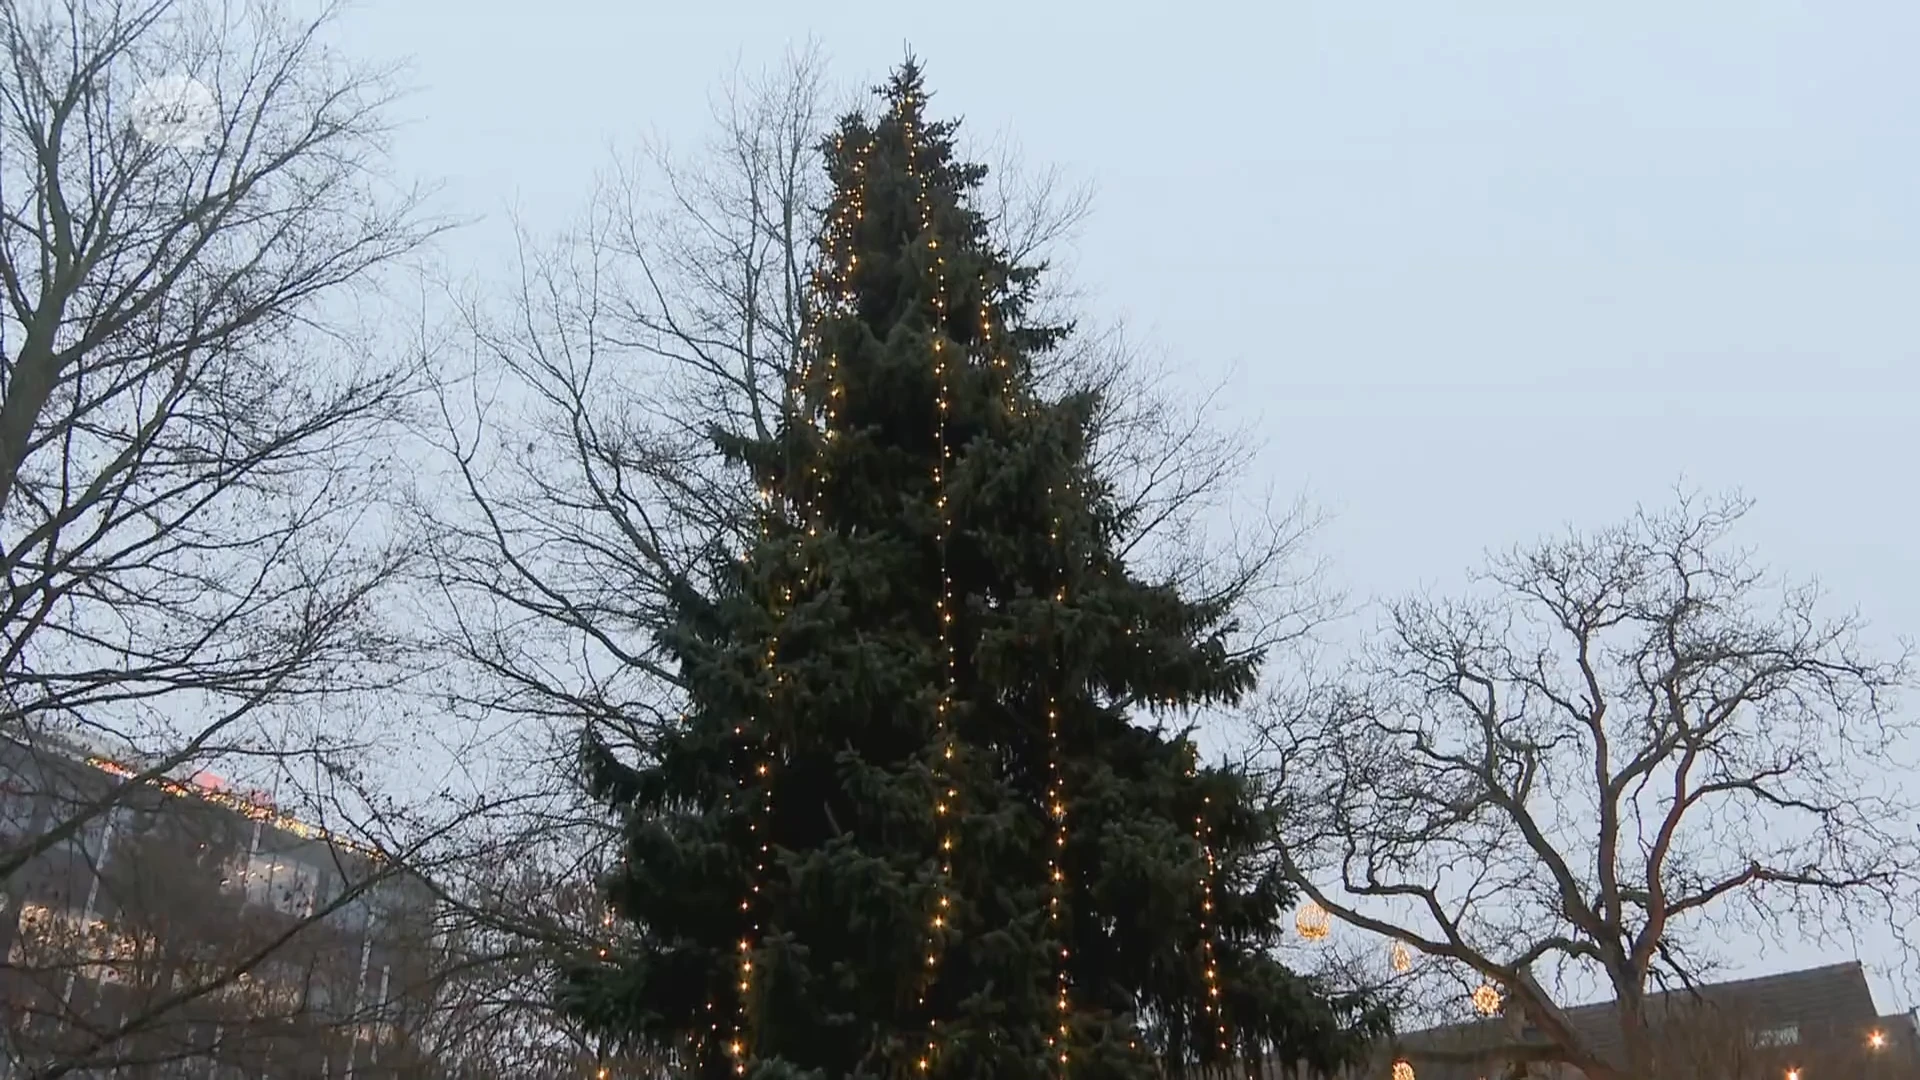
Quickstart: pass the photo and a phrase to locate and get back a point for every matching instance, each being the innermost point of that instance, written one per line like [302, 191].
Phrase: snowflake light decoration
[1486, 1000]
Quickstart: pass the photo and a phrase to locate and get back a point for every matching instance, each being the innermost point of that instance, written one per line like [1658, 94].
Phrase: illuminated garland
[799, 417]
[601, 1072]
[738, 1045]
[1203, 835]
[943, 806]
[1056, 804]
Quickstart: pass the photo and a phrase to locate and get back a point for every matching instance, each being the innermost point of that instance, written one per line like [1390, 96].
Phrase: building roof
[1813, 1000]
[78, 757]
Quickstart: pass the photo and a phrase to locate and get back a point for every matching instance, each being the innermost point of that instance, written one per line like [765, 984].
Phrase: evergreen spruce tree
[914, 823]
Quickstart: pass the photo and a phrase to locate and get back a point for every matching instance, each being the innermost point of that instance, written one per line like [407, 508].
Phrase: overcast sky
[1477, 271]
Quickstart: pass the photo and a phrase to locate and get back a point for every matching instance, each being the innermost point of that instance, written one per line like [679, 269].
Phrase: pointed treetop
[906, 86]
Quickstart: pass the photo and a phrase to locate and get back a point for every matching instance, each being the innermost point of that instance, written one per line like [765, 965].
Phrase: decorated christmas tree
[924, 816]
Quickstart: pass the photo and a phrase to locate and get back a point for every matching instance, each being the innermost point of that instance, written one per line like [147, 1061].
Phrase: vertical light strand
[600, 1071]
[1057, 852]
[1057, 884]
[944, 807]
[800, 417]
[1056, 798]
[702, 1041]
[1060, 1029]
[738, 1045]
[1203, 835]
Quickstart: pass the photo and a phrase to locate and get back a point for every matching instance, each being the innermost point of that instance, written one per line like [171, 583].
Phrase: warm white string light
[945, 808]
[1060, 1038]
[1203, 835]
[848, 214]
[1056, 854]
[738, 1045]
[1057, 884]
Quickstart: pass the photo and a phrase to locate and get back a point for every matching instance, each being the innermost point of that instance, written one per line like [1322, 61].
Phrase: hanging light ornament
[1486, 1000]
[1402, 1071]
[1400, 958]
[1313, 922]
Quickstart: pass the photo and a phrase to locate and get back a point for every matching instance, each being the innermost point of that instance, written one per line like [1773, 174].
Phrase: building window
[1784, 1035]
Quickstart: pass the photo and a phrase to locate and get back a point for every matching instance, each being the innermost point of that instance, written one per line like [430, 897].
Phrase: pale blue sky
[1478, 270]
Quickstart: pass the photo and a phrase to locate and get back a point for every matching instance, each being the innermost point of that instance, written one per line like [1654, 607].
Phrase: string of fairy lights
[1203, 835]
[758, 816]
[1055, 796]
[833, 278]
[1056, 852]
[1057, 804]
[1055, 808]
[945, 807]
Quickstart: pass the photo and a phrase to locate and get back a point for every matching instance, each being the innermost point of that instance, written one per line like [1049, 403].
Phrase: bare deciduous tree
[1622, 745]
[200, 444]
[194, 447]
